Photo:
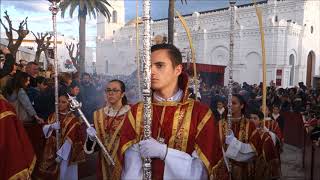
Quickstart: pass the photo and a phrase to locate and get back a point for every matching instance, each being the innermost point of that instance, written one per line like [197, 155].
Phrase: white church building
[292, 39]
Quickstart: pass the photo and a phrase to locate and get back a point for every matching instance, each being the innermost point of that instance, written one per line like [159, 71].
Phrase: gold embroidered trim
[204, 121]
[174, 126]
[203, 158]
[6, 113]
[25, 173]
[186, 127]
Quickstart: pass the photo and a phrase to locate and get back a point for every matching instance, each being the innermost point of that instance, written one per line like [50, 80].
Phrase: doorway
[310, 68]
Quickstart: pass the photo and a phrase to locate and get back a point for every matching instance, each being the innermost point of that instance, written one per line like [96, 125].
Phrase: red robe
[108, 130]
[71, 130]
[17, 158]
[273, 126]
[267, 163]
[186, 126]
[245, 131]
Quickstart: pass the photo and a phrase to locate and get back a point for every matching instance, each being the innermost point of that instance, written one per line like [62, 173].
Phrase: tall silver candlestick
[146, 91]
[54, 10]
[231, 46]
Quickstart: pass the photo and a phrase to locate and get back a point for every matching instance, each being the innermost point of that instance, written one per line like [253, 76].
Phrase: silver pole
[146, 91]
[231, 46]
[75, 105]
[54, 10]
[230, 82]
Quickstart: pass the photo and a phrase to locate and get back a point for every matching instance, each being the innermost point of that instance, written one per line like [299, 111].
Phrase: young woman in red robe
[243, 145]
[108, 122]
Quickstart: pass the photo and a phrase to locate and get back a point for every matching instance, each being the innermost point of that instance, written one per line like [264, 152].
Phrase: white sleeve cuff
[239, 151]
[85, 148]
[47, 131]
[233, 148]
[65, 149]
[246, 148]
[180, 165]
[132, 164]
[273, 137]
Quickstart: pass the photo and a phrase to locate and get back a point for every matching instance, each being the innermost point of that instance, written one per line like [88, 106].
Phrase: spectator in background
[49, 71]
[5, 81]
[214, 98]
[88, 94]
[34, 92]
[20, 100]
[220, 112]
[8, 62]
[76, 77]
[65, 80]
[22, 65]
[32, 69]
[44, 102]
[275, 115]
[75, 90]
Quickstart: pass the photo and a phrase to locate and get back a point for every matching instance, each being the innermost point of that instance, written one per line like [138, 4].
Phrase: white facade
[292, 33]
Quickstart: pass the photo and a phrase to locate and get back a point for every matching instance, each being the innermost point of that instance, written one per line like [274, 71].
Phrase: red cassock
[186, 126]
[246, 132]
[17, 158]
[71, 130]
[273, 126]
[267, 165]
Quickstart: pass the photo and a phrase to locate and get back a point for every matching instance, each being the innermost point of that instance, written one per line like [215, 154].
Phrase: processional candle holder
[54, 8]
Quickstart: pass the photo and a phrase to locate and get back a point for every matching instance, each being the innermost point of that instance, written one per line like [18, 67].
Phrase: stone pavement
[291, 163]
[291, 166]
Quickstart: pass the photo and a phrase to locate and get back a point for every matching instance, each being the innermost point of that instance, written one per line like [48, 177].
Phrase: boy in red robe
[185, 139]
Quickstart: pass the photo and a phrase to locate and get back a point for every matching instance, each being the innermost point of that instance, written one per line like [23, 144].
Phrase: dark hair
[64, 77]
[242, 102]
[32, 63]
[124, 99]
[258, 113]
[74, 83]
[17, 82]
[173, 52]
[41, 79]
[85, 74]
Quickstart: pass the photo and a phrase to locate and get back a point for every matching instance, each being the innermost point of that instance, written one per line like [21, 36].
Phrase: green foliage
[86, 7]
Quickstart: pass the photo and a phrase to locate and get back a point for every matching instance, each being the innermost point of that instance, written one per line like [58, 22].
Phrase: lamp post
[54, 10]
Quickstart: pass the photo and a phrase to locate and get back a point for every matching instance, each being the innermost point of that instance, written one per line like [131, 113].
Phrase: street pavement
[291, 163]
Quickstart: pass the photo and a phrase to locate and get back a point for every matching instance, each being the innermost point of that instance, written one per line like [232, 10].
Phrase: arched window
[114, 16]
[291, 63]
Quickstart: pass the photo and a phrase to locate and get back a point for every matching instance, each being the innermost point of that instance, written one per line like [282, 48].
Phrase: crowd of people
[187, 138]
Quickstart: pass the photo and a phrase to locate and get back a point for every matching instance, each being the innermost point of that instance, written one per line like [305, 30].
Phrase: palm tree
[171, 19]
[85, 7]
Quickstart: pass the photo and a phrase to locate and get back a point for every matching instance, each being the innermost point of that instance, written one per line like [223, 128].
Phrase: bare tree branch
[14, 44]
[75, 59]
[43, 42]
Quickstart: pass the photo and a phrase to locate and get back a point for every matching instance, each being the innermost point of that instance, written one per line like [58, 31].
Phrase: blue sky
[39, 17]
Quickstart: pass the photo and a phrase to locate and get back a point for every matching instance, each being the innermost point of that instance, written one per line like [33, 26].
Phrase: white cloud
[32, 5]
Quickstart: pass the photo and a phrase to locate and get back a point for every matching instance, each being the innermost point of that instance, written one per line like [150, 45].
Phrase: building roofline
[217, 10]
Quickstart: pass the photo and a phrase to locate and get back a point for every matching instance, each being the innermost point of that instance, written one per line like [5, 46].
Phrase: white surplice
[67, 172]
